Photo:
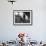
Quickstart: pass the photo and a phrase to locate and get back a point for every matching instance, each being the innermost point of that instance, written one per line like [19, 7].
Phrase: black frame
[30, 16]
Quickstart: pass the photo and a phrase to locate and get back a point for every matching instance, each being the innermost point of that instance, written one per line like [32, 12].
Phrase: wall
[38, 30]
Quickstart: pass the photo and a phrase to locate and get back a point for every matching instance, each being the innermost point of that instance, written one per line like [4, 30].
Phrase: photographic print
[22, 17]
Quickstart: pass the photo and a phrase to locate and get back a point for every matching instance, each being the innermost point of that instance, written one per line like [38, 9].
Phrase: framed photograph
[22, 17]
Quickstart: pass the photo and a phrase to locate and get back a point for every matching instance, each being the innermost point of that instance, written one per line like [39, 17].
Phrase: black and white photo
[22, 16]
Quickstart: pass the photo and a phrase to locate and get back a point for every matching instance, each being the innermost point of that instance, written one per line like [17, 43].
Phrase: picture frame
[22, 17]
